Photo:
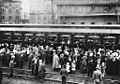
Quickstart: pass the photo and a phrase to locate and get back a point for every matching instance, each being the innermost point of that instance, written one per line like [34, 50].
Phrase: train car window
[109, 39]
[52, 38]
[7, 33]
[28, 37]
[65, 39]
[17, 37]
[109, 42]
[93, 39]
[6, 36]
[40, 38]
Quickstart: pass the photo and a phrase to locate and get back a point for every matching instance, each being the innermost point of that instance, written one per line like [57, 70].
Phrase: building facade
[0, 9]
[86, 11]
[11, 11]
[40, 12]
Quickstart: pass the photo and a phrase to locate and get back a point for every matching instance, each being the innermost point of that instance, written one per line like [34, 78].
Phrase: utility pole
[63, 12]
[52, 12]
[117, 13]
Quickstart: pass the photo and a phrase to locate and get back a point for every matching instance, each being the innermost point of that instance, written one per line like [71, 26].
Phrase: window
[10, 17]
[17, 11]
[82, 22]
[109, 23]
[3, 10]
[17, 17]
[10, 4]
[10, 11]
[72, 22]
[2, 4]
[64, 22]
[3, 17]
[92, 22]
[16, 5]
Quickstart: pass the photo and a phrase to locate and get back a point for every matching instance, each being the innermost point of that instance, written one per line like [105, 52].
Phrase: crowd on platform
[16, 55]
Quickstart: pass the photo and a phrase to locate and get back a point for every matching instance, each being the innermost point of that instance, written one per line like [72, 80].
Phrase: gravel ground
[23, 81]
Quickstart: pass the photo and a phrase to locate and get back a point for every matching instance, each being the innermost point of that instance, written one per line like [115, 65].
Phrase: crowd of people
[37, 56]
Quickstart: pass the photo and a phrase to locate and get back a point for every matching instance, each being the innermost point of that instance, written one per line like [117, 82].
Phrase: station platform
[23, 76]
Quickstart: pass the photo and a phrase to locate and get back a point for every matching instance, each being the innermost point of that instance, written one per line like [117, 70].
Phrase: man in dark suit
[11, 67]
[1, 75]
[90, 67]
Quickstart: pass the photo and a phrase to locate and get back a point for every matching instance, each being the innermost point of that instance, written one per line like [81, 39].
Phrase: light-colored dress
[55, 64]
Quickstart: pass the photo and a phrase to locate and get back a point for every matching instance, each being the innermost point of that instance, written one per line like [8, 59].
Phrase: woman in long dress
[55, 64]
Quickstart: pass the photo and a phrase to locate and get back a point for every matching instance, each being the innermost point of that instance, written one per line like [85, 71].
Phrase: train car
[76, 35]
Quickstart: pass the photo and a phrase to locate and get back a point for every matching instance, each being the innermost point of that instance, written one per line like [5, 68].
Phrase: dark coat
[63, 72]
[90, 66]
[41, 72]
[1, 75]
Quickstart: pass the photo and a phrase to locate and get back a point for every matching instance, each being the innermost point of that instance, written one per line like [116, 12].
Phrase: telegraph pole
[117, 13]
[52, 12]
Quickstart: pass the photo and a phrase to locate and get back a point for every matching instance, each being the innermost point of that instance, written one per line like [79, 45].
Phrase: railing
[86, 1]
[88, 14]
